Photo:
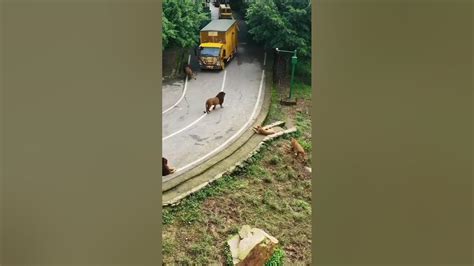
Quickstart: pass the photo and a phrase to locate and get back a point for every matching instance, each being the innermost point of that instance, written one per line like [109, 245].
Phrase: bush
[303, 71]
[277, 258]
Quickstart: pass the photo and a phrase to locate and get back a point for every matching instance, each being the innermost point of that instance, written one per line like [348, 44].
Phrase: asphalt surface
[190, 136]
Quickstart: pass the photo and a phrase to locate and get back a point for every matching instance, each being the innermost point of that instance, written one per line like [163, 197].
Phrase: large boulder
[252, 246]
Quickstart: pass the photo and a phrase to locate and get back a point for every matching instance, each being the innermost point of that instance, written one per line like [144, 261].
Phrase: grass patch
[189, 211]
[277, 258]
[257, 171]
[202, 249]
[272, 201]
[275, 113]
[302, 90]
[301, 206]
[275, 160]
[228, 256]
[268, 179]
[303, 123]
[306, 144]
[168, 247]
[281, 177]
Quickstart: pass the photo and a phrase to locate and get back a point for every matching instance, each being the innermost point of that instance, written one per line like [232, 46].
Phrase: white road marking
[184, 91]
[183, 129]
[223, 82]
[265, 59]
[195, 121]
[233, 136]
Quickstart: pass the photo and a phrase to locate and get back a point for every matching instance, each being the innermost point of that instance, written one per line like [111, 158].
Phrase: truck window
[209, 51]
[224, 53]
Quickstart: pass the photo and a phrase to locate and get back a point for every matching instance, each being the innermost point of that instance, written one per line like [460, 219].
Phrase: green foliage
[303, 71]
[277, 258]
[285, 24]
[238, 5]
[182, 20]
[306, 144]
[168, 31]
[228, 256]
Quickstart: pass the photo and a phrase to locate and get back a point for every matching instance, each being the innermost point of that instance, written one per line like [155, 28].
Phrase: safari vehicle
[218, 43]
[217, 3]
[225, 12]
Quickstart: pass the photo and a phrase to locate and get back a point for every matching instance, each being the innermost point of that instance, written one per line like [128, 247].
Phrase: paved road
[190, 136]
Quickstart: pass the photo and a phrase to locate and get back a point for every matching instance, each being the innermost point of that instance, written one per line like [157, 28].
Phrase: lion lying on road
[218, 100]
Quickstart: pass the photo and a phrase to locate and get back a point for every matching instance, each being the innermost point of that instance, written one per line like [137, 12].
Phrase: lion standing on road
[218, 100]
[189, 72]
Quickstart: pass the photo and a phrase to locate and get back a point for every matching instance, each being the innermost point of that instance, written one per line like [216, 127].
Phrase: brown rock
[252, 246]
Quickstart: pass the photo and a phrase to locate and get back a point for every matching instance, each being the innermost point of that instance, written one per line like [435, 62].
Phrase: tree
[168, 32]
[285, 24]
[182, 20]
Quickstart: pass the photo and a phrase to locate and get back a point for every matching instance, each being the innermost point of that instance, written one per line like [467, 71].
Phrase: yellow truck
[218, 43]
[225, 12]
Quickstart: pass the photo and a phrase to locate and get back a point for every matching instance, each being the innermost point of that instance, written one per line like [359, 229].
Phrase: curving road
[190, 136]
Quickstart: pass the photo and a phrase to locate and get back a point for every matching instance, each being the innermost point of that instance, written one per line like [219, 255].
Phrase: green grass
[275, 113]
[275, 160]
[168, 247]
[228, 255]
[306, 144]
[188, 211]
[303, 123]
[277, 258]
[202, 249]
[302, 90]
